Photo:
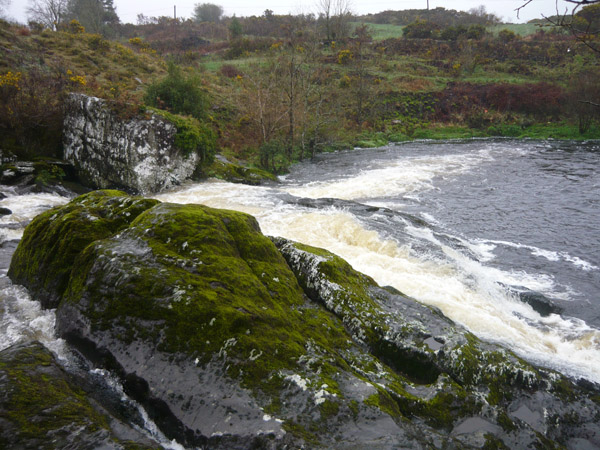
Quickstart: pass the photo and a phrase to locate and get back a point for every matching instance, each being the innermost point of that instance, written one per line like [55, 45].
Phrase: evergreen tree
[97, 16]
[235, 28]
[208, 12]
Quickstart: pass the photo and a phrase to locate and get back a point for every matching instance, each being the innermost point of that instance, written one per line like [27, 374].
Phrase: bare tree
[3, 5]
[50, 13]
[576, 4]
[336, 15]
[362, 37]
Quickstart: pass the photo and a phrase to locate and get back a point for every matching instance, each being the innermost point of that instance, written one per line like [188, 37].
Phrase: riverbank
[441, 132]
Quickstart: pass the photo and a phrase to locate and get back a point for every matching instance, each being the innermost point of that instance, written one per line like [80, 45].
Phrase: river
[473, 228]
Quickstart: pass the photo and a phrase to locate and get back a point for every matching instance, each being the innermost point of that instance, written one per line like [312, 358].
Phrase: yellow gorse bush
[345, 56]
[77, 79]
[11, 79]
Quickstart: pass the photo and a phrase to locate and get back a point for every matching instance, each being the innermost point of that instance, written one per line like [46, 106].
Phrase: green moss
[383, 400]
[235, 173]
[353, 405]
[563, 388]
[47, 173]
[53, 401]
[439, 410]
[44, 407]
[329, 408]
[301, 432]
[506, 422]
[192, 135]
[45, 255]
[493, 443]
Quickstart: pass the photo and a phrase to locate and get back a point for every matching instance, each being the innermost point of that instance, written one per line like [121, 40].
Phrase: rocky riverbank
[230, 339]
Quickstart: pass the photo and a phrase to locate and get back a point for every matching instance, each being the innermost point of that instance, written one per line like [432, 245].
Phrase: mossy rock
[447, 367]
[231, 340]
[201, 296]
[234, 173]
[45, 255]
[203, 290]
[42, 407]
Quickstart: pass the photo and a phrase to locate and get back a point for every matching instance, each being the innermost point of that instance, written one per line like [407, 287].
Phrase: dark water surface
[525, 207]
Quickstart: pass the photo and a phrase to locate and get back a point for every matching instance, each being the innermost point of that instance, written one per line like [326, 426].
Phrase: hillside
[285, 92]
[39, 67]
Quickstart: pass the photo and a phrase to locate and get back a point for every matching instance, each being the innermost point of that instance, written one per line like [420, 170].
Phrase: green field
[522, 29]
[381, 32]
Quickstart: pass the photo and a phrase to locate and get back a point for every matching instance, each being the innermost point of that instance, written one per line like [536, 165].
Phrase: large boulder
[43, 407]
[110, 151]
[481, 393]
[44, 258]
[232, 340]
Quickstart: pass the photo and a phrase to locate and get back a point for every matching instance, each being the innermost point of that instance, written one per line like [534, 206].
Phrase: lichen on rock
[232, 340]
[139, 154]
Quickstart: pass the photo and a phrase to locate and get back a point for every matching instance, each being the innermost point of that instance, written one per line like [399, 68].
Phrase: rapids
[471, 227]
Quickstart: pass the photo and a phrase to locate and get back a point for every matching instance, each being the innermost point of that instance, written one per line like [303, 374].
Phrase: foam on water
[24, 208]
[465, 289]
[550, 255]
[402, 177]
[23, 319]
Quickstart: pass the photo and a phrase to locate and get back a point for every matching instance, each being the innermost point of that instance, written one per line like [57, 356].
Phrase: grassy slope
[104, 64]
[121, 71]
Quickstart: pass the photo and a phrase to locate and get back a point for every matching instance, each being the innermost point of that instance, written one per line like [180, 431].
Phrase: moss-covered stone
[458, 375]
[234, 173]
[41, 406]
[230, 339]
[45, 255]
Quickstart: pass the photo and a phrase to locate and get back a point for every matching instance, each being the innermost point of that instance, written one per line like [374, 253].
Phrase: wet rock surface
[42, 406]
[51, 176]
[223, 169]
[44, 258]
[232, 340]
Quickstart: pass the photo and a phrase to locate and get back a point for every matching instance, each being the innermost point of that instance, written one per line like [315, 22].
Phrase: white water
[22, 318]
[417, 261]
[460, 284]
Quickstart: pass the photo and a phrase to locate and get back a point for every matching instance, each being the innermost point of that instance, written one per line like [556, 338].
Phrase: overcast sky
[129, 9]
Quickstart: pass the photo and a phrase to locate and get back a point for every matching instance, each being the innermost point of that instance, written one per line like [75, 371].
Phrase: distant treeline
[441, 16]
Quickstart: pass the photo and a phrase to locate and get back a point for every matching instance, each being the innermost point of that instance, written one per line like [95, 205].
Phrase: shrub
[178, 94]
[507, 35]
[98, 43]
[31, 112]
[230, 71]
[421, 29]
[192, 136]
[75, 27]
[344, 57]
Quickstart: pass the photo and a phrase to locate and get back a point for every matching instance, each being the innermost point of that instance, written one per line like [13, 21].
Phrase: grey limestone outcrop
[136, 154]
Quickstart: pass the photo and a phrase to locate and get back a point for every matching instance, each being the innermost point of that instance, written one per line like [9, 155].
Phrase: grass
[521, 29]
[100, 61]
[214, 64]
[381, 32]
